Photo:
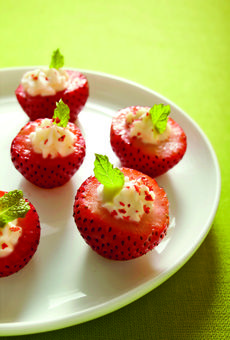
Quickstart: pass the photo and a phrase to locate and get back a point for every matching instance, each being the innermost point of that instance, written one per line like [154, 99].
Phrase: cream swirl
[51, 139]
[141, 126]
[131, 203]
[45, 82]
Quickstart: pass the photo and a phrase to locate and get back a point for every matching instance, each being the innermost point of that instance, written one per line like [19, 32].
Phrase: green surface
[177, 48]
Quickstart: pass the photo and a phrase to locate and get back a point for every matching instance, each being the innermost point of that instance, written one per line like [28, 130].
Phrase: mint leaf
[61, 114]
[12, 206]
[112, 178]
[57, 60]
[159, 114]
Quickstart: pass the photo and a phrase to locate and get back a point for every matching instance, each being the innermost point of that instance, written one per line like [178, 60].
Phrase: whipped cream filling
[51, 139]
[131, 203]
[45, 81]
[9, 236]
[140, 126]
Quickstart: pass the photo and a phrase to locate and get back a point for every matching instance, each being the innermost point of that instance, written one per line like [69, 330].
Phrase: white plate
[66, 283]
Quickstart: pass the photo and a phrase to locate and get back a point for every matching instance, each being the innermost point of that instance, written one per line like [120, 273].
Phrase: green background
[177, 48]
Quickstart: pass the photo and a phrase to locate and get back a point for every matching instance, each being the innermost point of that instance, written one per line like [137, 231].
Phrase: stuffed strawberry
[19, 232]
[146, 139]
[40, 89]
[48, 152]
[121, 213]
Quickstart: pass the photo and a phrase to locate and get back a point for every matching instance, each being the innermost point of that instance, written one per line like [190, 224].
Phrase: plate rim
[32, 327]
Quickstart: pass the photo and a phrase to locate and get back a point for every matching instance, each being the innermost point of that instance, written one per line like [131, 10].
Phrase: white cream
[9, 236]
[45, 82]
[50, 139]
[141, 126]
[131, 203]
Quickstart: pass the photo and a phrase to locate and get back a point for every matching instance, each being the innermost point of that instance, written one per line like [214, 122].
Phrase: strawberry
[120, 238]
[74, 95]
[49, 168]
[153, 159]
[19, 232]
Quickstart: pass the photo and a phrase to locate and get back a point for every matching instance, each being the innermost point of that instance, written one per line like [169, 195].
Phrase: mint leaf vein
[111, 178]
[159, 115]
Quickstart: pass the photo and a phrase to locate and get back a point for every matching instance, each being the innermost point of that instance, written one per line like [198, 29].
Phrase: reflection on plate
[66, 283]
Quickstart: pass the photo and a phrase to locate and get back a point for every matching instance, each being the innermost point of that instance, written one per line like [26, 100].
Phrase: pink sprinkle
[144, 180]
[137, 189]
[14, 229]
[45, 141]
[56, 120]
[34, 77]
[146, 209]
[60, 139]
[148, 197]
[4, 245]
[122, 211]
[121, 203]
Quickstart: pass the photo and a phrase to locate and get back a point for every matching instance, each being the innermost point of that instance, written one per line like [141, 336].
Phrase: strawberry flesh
[26, 246]
[151, 159]
[119, 239]
[46, 172]
[75, 96]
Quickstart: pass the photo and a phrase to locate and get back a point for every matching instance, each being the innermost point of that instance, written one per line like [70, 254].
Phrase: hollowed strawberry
[48, 172]
[41, 103]
[75, 96]
[120, 238]
[151, 159]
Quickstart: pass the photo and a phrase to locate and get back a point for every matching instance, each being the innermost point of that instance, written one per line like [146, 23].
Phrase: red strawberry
[120, 239]
[75, 96]
[47, 172]
[151, 159]
[28, 228]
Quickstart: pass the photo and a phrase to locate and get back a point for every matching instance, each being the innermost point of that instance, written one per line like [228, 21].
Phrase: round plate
[66, 283]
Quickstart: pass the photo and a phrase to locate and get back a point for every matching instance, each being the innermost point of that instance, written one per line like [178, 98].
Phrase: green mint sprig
[12, 206]
[61, 114]
[112, 178]
[57, 59]
[159, 114]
